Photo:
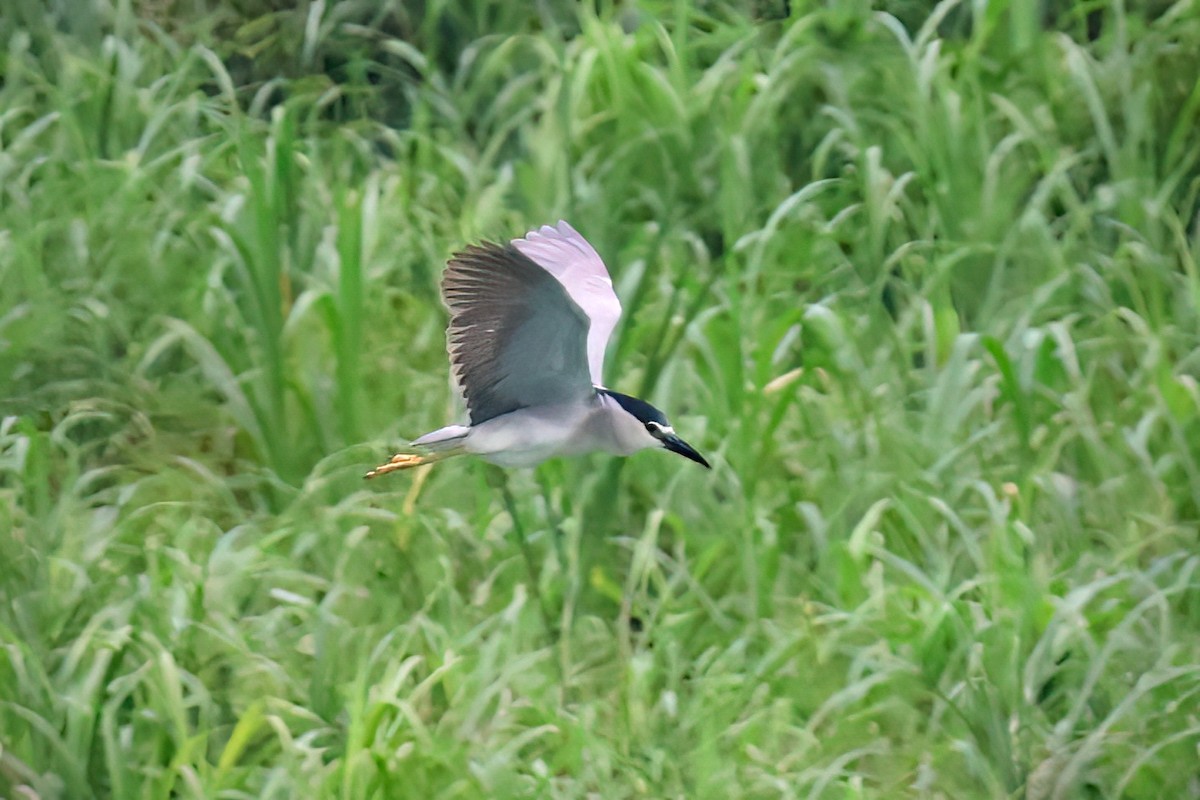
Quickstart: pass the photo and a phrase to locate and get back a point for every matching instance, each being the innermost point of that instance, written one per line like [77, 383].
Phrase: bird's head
[649, 426]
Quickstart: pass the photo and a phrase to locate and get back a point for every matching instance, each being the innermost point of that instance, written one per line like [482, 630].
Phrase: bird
[529, 323]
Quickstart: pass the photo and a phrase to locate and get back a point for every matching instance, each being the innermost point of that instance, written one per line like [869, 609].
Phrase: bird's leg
[409, 460]
[398, 462]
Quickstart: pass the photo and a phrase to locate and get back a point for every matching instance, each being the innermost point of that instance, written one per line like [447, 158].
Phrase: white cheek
[632, 435]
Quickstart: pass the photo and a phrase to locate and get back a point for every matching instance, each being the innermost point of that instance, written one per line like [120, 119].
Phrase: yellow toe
[398, 462]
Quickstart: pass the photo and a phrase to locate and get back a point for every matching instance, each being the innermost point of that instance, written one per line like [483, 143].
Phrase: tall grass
[920, 281]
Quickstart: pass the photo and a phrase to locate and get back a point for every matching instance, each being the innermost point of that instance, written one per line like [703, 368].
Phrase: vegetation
[921, 282]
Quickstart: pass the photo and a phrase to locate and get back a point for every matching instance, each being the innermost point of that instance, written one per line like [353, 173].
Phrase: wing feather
[516, 336]
[565, 254]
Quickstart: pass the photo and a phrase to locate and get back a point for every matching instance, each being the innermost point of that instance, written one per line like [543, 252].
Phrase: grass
[920, 281]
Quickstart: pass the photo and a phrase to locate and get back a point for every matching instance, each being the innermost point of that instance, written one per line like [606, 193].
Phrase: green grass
[921, 282]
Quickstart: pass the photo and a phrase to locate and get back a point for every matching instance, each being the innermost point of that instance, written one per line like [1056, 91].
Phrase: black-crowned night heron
[529, 322]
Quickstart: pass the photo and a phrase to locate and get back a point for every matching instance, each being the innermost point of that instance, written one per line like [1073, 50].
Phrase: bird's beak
[677, 445]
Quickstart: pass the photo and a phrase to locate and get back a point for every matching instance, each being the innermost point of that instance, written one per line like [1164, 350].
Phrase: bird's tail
[445, 438]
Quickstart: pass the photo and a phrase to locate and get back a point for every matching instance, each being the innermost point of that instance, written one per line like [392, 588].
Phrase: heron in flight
[529, 323]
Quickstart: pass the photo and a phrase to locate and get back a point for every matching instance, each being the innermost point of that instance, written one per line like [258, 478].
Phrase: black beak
[677, 445]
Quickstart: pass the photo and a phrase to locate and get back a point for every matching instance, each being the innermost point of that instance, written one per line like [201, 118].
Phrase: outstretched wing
[516, 336]
[567, 256]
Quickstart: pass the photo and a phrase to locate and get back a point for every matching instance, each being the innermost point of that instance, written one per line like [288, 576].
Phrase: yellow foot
[398, 462]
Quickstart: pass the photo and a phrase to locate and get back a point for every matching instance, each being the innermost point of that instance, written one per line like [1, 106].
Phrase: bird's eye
[654, 429]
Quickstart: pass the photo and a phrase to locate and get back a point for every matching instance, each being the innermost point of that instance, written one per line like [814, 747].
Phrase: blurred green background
[920, 280]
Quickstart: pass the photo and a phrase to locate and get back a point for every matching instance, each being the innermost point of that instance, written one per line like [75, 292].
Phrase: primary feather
[516, 338]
